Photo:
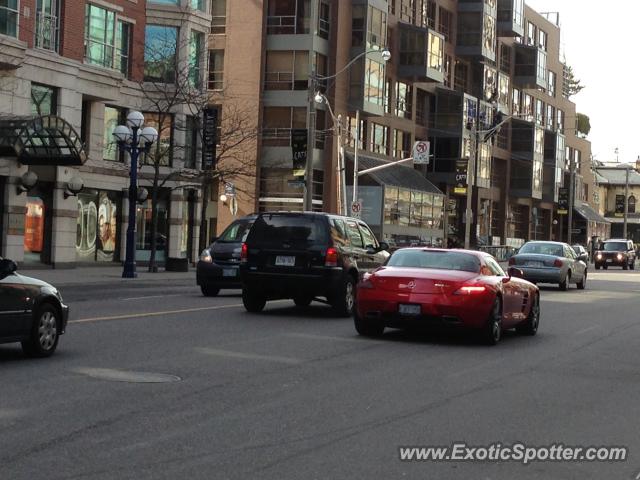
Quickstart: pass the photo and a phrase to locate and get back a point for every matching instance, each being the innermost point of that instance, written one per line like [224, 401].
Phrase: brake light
[244, 253]
[512, 261]
[331, 258]
[471, 290]
[557, 263]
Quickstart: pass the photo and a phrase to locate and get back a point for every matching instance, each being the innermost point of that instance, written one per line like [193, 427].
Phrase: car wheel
[302, 301]
[253, 302]
[582, 284]
[344, 299]
[209, 291]
[530, 325]
[492, 331]
[367, 328]
[44, 337]
[564, 285]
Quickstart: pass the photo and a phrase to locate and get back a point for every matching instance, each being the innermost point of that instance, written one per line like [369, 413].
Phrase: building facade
[86, 64]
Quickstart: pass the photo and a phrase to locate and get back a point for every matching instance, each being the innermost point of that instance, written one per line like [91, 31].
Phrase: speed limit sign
[356, 209]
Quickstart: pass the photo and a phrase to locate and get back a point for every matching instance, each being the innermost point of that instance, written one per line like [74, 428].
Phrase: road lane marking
[247, 356]
[154, 296]
[154, 314]
[311, 336]
[580, 332]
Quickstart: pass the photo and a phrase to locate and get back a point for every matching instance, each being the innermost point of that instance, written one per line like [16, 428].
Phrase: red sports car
[457, 288]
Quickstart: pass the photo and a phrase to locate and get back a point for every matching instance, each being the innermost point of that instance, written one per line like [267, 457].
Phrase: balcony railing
[47, 31]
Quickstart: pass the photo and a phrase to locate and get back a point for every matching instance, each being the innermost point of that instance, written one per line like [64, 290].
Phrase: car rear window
[235, 232]
[441, 260]
[297, 230]
[543, 249]
[615, 246]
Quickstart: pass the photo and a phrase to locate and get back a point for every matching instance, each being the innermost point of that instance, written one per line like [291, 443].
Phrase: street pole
[572, 182]
[307, 201]
[626, 202]
[129, 270]
[471, 169]
[355, 159]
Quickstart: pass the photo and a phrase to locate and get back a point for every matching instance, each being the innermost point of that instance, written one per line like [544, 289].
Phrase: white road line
[153, 314]
[580, 332]
[310, 336]
[154, 296]
[247, 356]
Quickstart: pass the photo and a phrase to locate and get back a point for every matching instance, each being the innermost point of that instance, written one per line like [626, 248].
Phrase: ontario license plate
[408, 309]
[285, 261]
[229, 272]
[534, 264]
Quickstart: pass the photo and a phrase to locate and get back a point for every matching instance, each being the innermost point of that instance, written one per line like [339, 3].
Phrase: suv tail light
[557, 263]
[331, 258]
[244, 253]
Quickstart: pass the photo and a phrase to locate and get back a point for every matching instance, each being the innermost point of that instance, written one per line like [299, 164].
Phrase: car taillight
[557, 263]
[471, 290]
[331, 258]
[512, 261]
[244, 253]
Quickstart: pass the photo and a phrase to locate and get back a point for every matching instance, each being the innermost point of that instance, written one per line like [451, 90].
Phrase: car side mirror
[584, 257]
[384, 246]
[515, 272]
[7, 267]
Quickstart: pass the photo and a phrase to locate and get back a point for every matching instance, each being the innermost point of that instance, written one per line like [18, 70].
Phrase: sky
[600, 41]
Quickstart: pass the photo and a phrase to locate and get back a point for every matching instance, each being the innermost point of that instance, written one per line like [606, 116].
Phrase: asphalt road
[296, 394]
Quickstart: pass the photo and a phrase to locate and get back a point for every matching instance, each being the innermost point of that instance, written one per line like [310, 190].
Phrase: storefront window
[415, 218]
[427, 210]
[97, 226]
[391, 206]
[44, 100]
[34, 230]
[143, 231]
[404, 207]
[438, 206]
[374, 82]
[112, 117]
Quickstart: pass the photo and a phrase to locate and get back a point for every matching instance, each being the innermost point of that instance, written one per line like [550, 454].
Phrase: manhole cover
[127, 376]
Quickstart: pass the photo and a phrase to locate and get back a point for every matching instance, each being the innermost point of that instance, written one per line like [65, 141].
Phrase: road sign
[421, 152]
[356, 209]
[563, 201]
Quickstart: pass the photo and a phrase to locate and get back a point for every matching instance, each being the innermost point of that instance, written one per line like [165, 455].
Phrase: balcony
[510, 18]
[477, 30]
[413, 63]
[530, 67]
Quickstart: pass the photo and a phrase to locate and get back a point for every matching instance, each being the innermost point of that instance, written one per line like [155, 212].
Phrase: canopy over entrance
[47, 140]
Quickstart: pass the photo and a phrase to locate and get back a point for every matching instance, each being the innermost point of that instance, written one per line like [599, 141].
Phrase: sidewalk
[87, 275]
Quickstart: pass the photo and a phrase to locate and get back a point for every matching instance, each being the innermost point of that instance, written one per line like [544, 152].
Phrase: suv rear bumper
[320, 282]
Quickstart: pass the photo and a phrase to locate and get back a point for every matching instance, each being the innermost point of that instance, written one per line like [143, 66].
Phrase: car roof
[616, 240]
[546, 241]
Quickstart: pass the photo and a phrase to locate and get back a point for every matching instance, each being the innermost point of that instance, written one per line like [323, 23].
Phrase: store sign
[619, 206]
[209, 140]
[461, 177]
[299, 148]
[563, 201]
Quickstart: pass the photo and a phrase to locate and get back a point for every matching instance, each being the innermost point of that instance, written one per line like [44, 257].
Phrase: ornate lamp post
[134, 139]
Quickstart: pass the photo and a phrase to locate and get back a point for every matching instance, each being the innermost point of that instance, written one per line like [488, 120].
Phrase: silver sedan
[551, 262]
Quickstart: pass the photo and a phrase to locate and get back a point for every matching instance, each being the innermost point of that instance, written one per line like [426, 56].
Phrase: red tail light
[512, 261]
[471, 290]
[557, 263]
[244, 253]
[331, 259]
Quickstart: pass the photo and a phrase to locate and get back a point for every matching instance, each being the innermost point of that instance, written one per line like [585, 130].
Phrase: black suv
[218, 264]
[307, 255]
[616, 252]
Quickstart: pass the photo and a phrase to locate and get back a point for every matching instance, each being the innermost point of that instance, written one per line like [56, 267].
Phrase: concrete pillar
[195, 222]
[176, 213]
[65, 221]
[124, 223]
[14, 215]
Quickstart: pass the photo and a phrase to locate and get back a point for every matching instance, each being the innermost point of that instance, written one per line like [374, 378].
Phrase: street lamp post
[626, 202]
[134, 139]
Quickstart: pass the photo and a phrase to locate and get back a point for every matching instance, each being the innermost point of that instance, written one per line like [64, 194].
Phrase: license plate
[534, 264]
[405, 309]
[285, 261]
[229, 272]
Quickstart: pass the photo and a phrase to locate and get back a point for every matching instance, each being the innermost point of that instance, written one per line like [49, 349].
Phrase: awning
[589, 214]
[47, 140]
[394, 176]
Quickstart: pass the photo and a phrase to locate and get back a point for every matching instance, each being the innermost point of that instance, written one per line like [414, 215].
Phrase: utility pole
[471, 170]
[572, 182]
[626, 202]
[307, 201]
[355, 159]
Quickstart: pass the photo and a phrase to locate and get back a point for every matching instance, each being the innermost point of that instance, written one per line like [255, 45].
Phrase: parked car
[451, 288]
[303, 256]
[581, 252]
[551, 262]
[616, 252]
[218, 266]
[31, 312]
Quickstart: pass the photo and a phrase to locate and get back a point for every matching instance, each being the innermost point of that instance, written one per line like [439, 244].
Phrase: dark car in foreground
[424, 287]
[616, 252]
[218, 266]
[303, 256]
[31, 312]
[551, 262]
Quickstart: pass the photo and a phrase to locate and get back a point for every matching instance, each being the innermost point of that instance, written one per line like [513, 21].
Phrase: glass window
[100, 26]
[391, 206]
[374, 82]
[632, 204]
[438, 211]
[445, 23]
[218, 17]
[34, 230]
[9, 17]
[44, 100]
[436, 259]
[495, 267]
[161, 151]
[123, 47]
[368, 236]
[542, 40]
[235, 232]
[358, 25]
[324, 20]
[404, 100]
[435, 58]
[377, 28]
[379, 139]
[195, 58]
[404, 207]
[216, 69]
[160, 53]
[354, 234]
[166, 2]
[531, 34]
[190, 142]
[47, 23]
[198, 5]
[113, 117]
[551, 83]
[338, 231]
[415, 215]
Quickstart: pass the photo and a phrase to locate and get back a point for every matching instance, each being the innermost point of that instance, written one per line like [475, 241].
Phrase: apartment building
[70, 71]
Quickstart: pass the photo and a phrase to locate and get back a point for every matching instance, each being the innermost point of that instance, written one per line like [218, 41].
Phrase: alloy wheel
[47, 330]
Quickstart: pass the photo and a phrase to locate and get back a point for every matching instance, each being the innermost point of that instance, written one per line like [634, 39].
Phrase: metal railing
[47, 31]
